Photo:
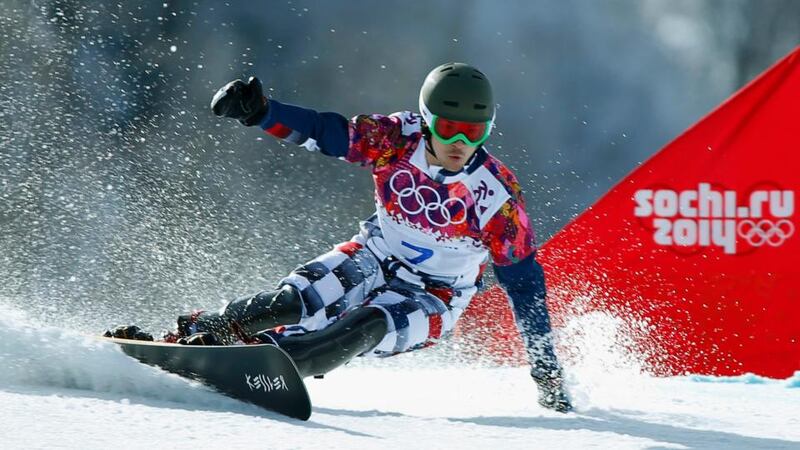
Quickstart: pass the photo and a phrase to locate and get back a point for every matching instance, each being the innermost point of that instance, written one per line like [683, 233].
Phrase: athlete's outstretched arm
[371, 140]
[366, 139]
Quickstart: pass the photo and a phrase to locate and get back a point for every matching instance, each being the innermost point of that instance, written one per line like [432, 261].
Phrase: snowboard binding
[242, 318]
[129, 332]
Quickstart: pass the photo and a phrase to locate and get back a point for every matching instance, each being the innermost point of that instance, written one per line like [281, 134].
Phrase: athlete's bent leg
[319, 352]
[391, 321]
[312, 296]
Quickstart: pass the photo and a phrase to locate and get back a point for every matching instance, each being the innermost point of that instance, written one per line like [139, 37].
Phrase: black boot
[552, 392]
[129, 332]
[245, 316]
[319, 352]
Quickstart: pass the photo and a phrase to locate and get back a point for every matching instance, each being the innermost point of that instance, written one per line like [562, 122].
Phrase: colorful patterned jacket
[438, 222]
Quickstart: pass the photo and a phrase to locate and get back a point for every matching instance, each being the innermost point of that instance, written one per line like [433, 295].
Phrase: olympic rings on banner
[765, 232]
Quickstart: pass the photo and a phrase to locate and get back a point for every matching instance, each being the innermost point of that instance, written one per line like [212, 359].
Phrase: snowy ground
[59, 389]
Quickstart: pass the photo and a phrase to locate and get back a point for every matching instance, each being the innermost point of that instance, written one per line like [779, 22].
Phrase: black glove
[242, 101]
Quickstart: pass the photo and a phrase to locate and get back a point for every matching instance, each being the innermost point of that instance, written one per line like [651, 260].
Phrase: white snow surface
[62, 389]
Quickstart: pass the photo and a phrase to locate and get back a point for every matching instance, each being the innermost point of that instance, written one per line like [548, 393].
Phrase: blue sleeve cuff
[524, 283]
[327, 132]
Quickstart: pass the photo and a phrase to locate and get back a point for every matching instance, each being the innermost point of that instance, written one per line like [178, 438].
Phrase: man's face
[451, 156]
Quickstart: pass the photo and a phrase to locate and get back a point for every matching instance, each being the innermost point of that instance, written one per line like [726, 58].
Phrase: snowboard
[260, 374]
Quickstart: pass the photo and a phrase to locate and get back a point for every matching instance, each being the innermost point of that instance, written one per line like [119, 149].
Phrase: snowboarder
[444, 206]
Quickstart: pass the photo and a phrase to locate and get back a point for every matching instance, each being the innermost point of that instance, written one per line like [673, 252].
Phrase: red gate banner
[700, 244]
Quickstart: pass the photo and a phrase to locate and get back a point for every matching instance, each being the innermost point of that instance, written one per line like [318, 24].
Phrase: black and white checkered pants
[350, 276]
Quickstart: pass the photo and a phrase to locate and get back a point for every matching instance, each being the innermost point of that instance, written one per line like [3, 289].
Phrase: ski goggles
[471, 133]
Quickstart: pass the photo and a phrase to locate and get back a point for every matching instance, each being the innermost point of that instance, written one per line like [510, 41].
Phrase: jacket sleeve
[524, 283]
[508, 234]
[325, 132]
[373, 140]
[510, 239]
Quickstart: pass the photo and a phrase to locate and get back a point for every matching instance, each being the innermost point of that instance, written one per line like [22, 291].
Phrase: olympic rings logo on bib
[765, 232]
[414, 200]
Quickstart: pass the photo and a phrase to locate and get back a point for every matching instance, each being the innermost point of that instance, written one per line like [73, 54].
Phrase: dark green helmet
[457, 91]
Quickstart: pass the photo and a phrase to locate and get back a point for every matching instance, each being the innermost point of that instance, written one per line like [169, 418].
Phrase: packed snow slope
[62, 389]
